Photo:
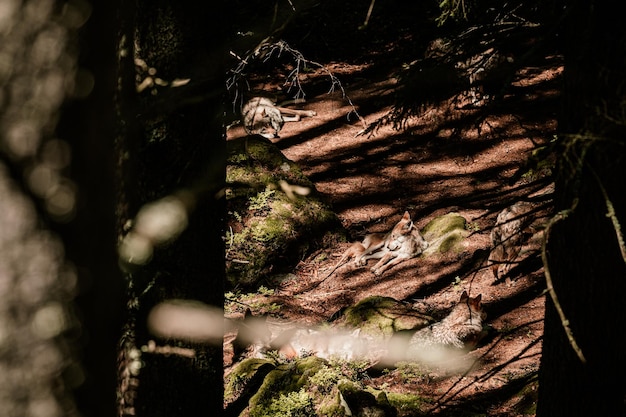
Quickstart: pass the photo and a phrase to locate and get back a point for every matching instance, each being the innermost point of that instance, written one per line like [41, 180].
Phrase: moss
[406, 404]
[336, 409]
[285, 379]
[442, 225]
[366, 401]
[326, 378]
[292, 404]
[269, 231]
[445, 233]
[384, 316]
[242, 374]
[451, 240]
[349, 387]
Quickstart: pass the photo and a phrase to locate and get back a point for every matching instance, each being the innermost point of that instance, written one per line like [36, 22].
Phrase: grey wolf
[506, 238]
[461, 328]
[403, 242]
[260, 116]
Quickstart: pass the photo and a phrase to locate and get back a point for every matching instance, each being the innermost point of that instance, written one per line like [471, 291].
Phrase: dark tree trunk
[88, 125]
[173, 143]
[586, 265]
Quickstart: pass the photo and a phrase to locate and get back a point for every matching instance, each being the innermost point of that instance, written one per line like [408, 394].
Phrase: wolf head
[405, 230]
[260, 116]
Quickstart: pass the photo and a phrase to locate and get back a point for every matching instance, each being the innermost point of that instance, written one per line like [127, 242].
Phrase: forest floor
[451, 157]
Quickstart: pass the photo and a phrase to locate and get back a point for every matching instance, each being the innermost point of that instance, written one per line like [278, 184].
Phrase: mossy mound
[445, 233]
[245, 379]
[275, 216]
[308, 387]
[384, 316]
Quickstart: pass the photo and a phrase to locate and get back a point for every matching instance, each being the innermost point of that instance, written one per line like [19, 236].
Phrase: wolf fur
[403, 242]
[506, 238]
[461, 328]
[260, 116]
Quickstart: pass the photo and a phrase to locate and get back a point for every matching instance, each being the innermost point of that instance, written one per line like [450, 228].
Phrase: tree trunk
[585, 262]
[172, 144]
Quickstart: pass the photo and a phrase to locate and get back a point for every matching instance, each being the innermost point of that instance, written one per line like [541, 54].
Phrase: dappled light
[194, 322]
[35, 284]
[453, 130]
[187, 320]
[310, 208]
[38, 64]
[156, 224]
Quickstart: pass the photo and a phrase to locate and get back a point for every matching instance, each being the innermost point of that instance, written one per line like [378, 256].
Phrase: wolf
[462, 328]
[403, 242]
[506, 237]
[260, 116]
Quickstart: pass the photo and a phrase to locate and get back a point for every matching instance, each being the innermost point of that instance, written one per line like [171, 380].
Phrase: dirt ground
[452, 158]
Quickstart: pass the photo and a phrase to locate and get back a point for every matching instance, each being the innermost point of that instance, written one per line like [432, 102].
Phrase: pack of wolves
[461, 329]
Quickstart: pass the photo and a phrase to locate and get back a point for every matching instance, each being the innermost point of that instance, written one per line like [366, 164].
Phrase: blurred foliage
[39, 330]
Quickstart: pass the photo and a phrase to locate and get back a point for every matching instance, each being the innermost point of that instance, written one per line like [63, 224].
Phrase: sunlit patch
[187, 320]
[22, 139]
[49, 321]
[41, 179]
[156, 223]
[163, 220]
[135, 249]
[61, 201]
[7, 15]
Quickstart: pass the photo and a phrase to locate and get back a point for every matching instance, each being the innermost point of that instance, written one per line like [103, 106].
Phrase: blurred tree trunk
[87, 122]
[172, 144]
[41, 190]
[584, 257]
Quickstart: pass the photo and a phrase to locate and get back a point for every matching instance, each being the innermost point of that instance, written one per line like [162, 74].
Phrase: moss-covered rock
[383, 316]
[275, 215]
[309, 386]
[282, 382]
[445, 233]
[244, 381]
[366, 402]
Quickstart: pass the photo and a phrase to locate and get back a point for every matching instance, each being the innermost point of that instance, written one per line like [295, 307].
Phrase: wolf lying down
[262, 117]
[403, 242]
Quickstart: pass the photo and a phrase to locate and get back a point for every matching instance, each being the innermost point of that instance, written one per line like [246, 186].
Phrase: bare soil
[454, 157]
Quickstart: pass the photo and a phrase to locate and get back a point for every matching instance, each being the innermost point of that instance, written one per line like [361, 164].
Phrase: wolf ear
[475, 302]
[464, 297]
[406, 216]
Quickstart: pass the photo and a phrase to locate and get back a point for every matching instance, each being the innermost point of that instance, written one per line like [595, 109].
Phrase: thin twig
[269, 49]
[550, 287]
